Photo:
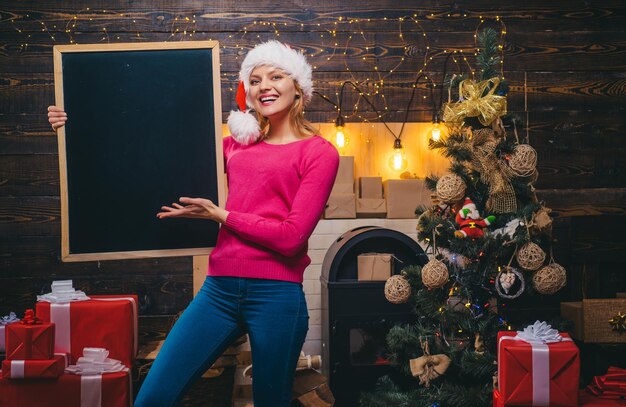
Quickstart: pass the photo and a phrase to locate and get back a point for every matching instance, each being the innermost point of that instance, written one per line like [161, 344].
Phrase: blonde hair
[302, 126]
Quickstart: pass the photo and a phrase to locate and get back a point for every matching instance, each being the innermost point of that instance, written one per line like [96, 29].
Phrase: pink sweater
[276, 195]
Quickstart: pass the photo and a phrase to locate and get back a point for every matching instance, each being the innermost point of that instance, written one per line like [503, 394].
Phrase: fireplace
[356, 316]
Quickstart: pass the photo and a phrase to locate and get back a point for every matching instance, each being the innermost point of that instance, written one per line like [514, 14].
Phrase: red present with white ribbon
[104, 321]
[4, 321]
[538, 367]
[34, 369]
[95, 381]
[29, 339]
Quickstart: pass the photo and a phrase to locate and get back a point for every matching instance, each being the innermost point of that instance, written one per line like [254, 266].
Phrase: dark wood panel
[29, 175]
[30, 216]
[161, 15]
[585, 202]
[602, 91]
[159, 294]
[532, 51]
[40, 256]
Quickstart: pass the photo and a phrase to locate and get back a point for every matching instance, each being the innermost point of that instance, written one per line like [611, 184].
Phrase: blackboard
[143, 129]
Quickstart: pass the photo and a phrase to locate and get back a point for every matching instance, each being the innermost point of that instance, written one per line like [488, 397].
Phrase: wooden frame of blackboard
[213, 46]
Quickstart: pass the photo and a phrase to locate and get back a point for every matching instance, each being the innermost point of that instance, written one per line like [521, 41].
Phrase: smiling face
[272, 92]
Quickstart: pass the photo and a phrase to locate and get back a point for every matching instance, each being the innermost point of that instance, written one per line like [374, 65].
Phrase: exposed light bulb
[398, 161]
[340, 137]
[435, 132]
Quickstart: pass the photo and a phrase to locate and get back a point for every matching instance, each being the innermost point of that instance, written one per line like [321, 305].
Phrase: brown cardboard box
[341, 206]
[591, 319]
[371, 208]
[342, 189]
[620, 295]
[345, 173]
[404, 196]
[371, 187]
[374, 266]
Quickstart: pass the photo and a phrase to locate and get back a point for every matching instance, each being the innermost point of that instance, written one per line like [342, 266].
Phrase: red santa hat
[243, 125]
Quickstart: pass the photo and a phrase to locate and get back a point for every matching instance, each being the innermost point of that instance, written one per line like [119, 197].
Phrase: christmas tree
[487, 237]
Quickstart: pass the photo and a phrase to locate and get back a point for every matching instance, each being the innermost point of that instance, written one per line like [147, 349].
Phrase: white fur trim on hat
[244, 127]
[279, 55]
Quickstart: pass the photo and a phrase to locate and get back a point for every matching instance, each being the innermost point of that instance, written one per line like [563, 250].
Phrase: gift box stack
[76, 352]
[404, 196]
[537, 367]
[371, 203]
[342, 200]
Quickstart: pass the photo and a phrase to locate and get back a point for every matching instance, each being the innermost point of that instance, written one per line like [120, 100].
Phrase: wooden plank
[532, 51]
[146, 16]
[585, 202]
[159, 294]
[601, 91]
[39, 256]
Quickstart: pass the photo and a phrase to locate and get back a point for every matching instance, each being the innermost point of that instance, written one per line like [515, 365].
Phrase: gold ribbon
[473, 104]
[429, 367]
[618, 322]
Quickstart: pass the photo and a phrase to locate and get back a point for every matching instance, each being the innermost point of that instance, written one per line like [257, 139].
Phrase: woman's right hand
[57, 117]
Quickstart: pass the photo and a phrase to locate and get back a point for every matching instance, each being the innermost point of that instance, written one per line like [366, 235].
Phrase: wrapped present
[38, 368]
[69, 390]
[371, 208]
[342, 189]
[371, 187]
[345, 172]
[341, 206]
[404, 196]
[4, 321]
[104, 321]
[586, 399]
[30, 338]
[538, 367]
[612, 385]
[374, 266]
[497, 399]
[597, 320]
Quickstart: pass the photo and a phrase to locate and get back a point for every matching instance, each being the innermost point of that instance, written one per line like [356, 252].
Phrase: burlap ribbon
[473, 104]
[429, 367]
[493, 172]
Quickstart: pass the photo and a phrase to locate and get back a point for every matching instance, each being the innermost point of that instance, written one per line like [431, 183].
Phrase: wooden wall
[565, 61]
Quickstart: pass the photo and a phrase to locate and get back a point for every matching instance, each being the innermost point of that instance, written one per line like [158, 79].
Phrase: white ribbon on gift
[9, 319]
[91, 371]
[538, 335]
[60, 316]
[63, 292]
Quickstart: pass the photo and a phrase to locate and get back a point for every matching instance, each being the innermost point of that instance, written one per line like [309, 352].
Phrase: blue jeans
[273, 313]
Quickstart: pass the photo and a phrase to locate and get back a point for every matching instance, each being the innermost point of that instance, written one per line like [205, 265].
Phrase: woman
[280, 174]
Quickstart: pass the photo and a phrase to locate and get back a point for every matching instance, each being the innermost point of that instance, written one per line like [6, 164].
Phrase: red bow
[30, 318]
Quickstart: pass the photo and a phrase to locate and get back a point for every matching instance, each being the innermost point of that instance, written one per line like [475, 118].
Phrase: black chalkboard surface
[143, 129]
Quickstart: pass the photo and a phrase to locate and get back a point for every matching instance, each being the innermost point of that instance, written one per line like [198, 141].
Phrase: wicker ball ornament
[530, 256]
[450, 188]
[397, 289]
[435, 274]
[550, 279]
[523, 161]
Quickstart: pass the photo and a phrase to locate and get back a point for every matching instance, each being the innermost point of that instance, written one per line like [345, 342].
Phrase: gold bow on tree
[473, 104]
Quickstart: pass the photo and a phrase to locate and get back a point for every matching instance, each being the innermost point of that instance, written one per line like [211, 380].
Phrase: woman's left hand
[194, 208]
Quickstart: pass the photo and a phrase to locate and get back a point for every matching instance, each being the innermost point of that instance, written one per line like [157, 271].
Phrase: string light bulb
[435, 131]
[398, 161]
[340, 137]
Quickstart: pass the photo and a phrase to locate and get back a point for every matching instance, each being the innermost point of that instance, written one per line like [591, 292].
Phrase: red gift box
[24, 369]
[104, 321]
[69, 390]
[529, 373]
[497, 399]
[25, 342]
[587, 399]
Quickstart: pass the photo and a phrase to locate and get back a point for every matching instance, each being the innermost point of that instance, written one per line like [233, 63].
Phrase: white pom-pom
[244, 127]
